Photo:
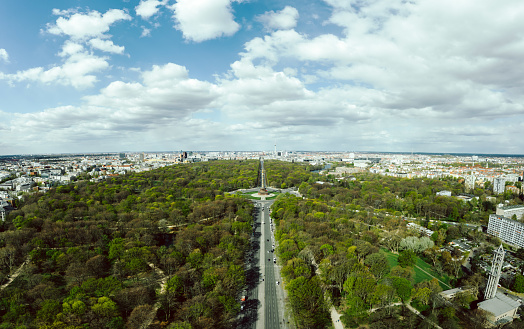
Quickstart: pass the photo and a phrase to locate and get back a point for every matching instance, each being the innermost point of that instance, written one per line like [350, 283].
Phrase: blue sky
[347, 75]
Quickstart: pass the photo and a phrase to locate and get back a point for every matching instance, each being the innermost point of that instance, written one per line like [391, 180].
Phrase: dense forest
[167, 247]
[346, 244]
[164, 247]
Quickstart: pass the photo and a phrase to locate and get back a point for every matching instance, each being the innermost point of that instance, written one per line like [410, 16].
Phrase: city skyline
[382, 76]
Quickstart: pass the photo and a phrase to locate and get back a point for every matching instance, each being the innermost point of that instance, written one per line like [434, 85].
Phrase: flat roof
[450, 291]
[511, 207]
[499, 304]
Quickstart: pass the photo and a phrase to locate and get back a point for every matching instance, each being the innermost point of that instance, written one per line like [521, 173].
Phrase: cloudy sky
[347, 75]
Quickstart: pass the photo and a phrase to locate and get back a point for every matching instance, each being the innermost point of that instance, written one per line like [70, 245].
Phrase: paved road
[264, 307]
[270, 309]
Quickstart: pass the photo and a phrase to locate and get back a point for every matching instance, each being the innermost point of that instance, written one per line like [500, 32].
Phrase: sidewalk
[335, 318]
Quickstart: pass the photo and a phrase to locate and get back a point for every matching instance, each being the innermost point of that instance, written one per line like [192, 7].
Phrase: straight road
[272, 319]
[264, 306]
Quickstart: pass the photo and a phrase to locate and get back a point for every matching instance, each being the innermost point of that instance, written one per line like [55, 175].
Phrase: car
[278, 283]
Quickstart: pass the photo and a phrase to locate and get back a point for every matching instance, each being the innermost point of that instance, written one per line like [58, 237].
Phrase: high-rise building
[506, 229]
[509, 211]
[470, 182]
[499, 184]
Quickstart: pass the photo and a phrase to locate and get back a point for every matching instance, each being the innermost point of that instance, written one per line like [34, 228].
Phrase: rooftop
[511, 207]
[499, 304]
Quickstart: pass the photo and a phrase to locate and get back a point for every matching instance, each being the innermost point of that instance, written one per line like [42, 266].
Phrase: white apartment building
[470, 182]
[506, 229]
[499, 185]
[509, 211]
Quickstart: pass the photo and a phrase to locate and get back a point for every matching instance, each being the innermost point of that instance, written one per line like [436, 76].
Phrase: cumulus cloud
[148, 8]
[81, 26]
[106, 45]
[145, 32]
[4, 56]
[77, 70]
[201, 20]
[282, 20]
[385, 75]
[166, 96]
[79, 65]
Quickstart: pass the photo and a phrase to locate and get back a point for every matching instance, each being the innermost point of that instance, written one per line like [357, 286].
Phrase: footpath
[16, 273]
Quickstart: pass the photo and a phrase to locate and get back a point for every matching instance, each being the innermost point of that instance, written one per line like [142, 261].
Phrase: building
[470, 182]
[444, 193]
[500, 308]
[499, 185]
[506, 229]
[419, 228]
[509, 211]
[452, 293]
[512, 189]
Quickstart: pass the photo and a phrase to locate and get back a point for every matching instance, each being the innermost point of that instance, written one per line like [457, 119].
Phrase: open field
[423, 270]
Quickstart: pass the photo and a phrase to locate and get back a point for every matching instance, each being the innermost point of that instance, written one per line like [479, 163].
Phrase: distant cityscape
[30, 173]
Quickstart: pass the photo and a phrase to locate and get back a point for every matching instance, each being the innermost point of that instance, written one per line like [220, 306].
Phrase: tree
[378, 264]
[518, 285]
[48, 311]
[392, 241]
[8, 257]
[383, 295]
[139, 315]
[464, 298]
[105, 307]
[172, 295]
[433, 253]
[307, 302]
[98, 266]
[403, 272]
[421, 294]
[407, 258]
[403, 288]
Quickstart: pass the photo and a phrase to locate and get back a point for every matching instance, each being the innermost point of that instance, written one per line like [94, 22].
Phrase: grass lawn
[254, 195]
[423, 271]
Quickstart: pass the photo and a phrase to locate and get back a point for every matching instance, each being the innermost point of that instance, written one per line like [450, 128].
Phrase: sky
[326, 75]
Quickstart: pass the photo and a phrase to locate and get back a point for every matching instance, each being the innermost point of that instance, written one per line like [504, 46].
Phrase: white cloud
[145, 32]
[201, 20]
[148, 8]
[283, 20]
[4, 56]
[77, 70]
[84, 26]
[124, 112]
[79, 66]
[106, 45]
[70, 48]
